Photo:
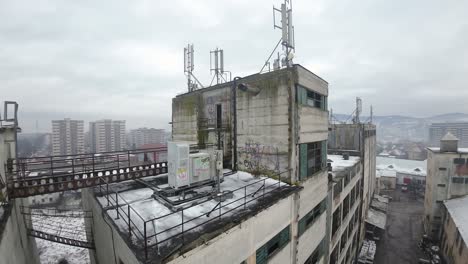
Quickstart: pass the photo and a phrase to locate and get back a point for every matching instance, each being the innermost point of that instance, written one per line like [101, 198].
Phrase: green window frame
[309, 219]
[311, 98]
[312, 158]
[273, 246]
[317, 253]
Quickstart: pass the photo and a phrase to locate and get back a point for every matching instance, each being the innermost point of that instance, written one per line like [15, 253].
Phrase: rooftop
[385, 173]
[155, 225]
[338, 163]
[460, 150]
[376, 218]
[458, 210]
[415, 167]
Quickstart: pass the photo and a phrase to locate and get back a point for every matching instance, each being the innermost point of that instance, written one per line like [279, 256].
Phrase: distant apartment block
[438, 130]
[142, 136]
[107, 135]
[67, 137]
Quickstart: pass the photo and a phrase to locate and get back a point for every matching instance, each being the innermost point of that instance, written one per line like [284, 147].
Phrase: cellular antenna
[358, 110]
[217, 67]
[282, 19]
[188, 69]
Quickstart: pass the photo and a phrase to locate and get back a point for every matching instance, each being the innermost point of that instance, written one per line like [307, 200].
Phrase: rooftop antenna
[283, 16]
[358, 110]
[371, 114]
[217, 66]
[188, 69]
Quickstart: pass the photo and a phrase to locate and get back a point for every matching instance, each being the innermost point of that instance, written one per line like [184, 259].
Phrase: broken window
[312, 158]
[317, 254]
[308, 97]
[271, 247]
[311, 216]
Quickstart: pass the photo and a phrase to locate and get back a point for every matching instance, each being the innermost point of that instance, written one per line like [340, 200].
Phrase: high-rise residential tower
[67, 137]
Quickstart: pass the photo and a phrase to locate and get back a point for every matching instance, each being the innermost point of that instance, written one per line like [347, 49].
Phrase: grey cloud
[122, 60]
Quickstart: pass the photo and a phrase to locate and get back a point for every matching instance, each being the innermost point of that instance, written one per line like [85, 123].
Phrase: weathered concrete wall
[345, 137]
[241, 242]
[311, 238]
[449, 246]
[313, 124]
[263, 125]
[110, 247]
[439, 186]
[15, 245]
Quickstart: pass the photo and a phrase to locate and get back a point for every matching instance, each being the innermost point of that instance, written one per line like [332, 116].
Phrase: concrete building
[447, 171]
[406, 171]
[438, 130]
[15, 245]
[358, 140]
[385, 180]
[142, 136]
[272, 124]
[454, 237]
[67, 137]
[107, 135]
[346, 200]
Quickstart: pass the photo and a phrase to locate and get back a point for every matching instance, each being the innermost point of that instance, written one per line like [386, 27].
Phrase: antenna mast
[283, 16]
[188, 69]
[358, 110]
[217, 66]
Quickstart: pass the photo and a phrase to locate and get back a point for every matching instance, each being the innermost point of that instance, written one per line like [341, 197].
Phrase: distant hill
[397, 127]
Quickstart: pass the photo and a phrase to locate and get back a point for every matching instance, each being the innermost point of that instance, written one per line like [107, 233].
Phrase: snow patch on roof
[460, 150]
[339, 164]
[415, 167]
[458, 210]
[376, 218]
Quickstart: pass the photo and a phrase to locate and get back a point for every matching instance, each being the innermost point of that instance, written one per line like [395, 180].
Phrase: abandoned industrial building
[253, 166]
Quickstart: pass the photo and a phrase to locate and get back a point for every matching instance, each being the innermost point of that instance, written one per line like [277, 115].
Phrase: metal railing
[58, 225]
[32, 176]
[184, 221]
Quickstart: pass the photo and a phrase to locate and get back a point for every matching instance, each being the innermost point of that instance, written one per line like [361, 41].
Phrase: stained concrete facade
[446, 179]
[345, 193]
[15, 246]
[270, 122]
[263, 128]
[357, 140]
[453, 242]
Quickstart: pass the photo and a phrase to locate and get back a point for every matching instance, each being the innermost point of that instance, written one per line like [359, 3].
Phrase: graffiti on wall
[260, 159]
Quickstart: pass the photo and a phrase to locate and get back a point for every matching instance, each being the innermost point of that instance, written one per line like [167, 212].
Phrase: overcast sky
[124, 59]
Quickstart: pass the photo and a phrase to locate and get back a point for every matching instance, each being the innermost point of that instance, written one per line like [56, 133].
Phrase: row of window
[311, 216]
[460, 180]
[311, 98]
[317, 254]
[273, 246]
[348, 203]
[334, 257]
[312, 158]
[279, 241]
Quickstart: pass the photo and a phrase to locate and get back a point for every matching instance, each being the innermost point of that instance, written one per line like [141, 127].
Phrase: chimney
[449, 143]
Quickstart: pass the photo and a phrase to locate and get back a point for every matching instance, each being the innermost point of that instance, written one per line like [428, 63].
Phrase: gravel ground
[399, 243]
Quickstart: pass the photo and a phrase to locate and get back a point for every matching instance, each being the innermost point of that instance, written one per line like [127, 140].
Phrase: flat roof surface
[163, 225]
[385, 173]
[340, 164]
[415, 167]
[460, 150]
[458, 210]
[376, 218]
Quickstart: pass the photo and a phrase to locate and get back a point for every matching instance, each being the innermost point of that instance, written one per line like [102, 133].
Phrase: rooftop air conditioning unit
[178, 163]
